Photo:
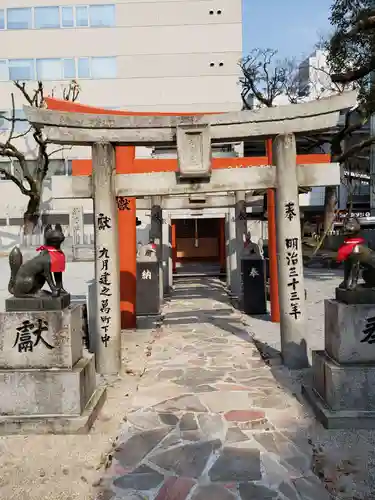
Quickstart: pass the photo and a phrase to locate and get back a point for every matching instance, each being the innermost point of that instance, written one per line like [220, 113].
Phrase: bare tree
[265, 78]
[30, 180]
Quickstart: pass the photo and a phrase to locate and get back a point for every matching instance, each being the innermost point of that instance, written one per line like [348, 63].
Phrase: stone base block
[339, 419]
[349, 331]
[344, 387]
[41, 340]
[149, 321]
[40, 424]
[235, 301]
[47, 393]
[360, 295]
[42, 303]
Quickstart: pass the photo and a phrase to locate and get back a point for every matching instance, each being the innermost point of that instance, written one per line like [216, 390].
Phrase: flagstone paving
[209, 420]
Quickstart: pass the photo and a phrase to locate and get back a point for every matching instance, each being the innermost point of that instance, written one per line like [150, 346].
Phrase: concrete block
[344, 387]
[53, 392]
[348, 328]
[49, 339]
[318, 371]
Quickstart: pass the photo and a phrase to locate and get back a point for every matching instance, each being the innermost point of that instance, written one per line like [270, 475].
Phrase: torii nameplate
[194, 151]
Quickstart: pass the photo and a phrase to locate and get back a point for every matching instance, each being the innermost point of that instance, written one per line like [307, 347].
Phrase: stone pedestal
[148, 297]
[254, 286]
[42, 303]
[343, 389]
[47, 384]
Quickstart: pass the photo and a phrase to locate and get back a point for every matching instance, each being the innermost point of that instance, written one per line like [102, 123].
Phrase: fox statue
[357, 256]
[27, 279]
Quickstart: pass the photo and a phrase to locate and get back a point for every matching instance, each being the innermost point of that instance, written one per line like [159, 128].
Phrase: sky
[290, 26]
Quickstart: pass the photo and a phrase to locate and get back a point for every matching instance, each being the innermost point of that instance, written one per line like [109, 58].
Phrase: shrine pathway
[211, 420]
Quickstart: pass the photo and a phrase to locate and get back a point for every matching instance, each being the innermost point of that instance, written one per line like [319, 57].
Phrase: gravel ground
[336, 451]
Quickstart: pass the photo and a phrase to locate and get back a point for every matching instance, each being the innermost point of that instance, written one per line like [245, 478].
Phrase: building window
[56, 167]
[48, 69]
[58, 69]
[82, 16]
[21, 69]
[7, 166]
[19, 19]
[52, 17]
[83, 67]
[21, 125]
[46, 17]
[69, 69]
[4, 73]
[102, 15]
[4, 124]
[103, 67]
[67, 17]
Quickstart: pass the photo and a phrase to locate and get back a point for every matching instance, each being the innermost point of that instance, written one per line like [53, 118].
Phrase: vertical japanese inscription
[104, 281]
[290, 210]
[369, 331]
[291, 246]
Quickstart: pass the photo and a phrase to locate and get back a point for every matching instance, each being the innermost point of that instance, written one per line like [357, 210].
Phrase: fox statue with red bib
[357, 256]
[27, 279]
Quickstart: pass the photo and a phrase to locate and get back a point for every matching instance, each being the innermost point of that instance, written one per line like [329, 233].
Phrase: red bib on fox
[57, 258]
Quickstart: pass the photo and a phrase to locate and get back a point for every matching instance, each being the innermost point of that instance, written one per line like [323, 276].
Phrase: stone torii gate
[194, 135]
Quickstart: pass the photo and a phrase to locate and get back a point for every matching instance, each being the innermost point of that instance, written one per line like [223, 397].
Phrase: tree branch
[365, 21]
[59, 150]
[8, 176]
[354, 74]
[356, 148]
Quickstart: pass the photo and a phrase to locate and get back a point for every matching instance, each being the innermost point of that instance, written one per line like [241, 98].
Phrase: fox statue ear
[58, 228]
[47, 228]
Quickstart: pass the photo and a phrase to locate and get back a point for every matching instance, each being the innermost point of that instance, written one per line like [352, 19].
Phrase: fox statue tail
[15, 262]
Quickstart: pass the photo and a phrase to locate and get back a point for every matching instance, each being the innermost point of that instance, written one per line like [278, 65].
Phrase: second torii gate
[194, 135]
[126, 162]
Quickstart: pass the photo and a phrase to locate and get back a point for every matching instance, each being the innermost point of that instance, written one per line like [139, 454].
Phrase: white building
[154, 55]
[314, 77]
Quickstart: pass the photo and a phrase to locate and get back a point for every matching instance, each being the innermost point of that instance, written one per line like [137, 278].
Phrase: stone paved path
[210, 421]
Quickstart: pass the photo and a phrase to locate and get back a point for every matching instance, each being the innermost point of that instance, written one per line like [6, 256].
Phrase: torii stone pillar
[107, 268]
[156, 233]
[235, 276]
[289, 245]
[166, 254]
[228, 248]
[241, 230]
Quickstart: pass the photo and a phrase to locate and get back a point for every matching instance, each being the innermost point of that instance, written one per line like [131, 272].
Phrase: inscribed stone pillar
[241, 230]
[235, 272]
[156, 233]
[227, 249]
[290, 263]
[107, 269]
[76, 225]
[166, 252]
